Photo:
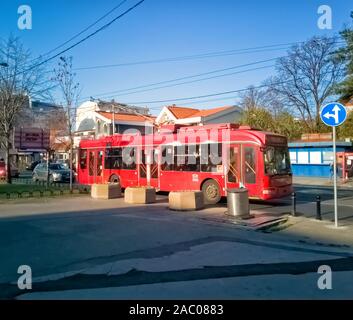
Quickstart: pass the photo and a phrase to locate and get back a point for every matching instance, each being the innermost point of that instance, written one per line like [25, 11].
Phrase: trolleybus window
[129, 158]
[187, 158]
[167, 162]
[277, 161]
[211, 157]
[113, 158]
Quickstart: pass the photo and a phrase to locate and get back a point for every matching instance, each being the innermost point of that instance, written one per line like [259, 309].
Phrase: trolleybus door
[95, 166]
[250, 169]
[148, 168]
[243, 168]
[233, 167]
[83, 168]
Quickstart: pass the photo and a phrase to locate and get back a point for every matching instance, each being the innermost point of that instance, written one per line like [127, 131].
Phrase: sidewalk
[317, 181]
[304, 225]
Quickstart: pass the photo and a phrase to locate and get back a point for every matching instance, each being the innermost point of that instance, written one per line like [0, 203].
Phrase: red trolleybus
[210, 158]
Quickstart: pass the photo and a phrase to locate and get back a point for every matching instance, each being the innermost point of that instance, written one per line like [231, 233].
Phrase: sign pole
[48, 168]
[334, 114]
[335, 177]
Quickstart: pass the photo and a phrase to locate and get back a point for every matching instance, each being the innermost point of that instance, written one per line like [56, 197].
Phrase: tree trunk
[71, 164]
[8, 161]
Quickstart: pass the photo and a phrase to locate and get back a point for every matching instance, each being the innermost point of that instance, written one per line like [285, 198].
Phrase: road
[84, 248]
[306, 203]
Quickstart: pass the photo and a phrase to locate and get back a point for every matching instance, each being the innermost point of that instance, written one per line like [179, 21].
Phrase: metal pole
[335, 177]
[47, 168]
[318, 208]
[294, 204]
[113, 120]
[148, 168]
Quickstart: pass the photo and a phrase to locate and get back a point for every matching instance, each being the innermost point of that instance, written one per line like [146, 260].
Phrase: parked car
[2, 170]
[33, 165]
[57, 173]
[14, 171]
[63, 163]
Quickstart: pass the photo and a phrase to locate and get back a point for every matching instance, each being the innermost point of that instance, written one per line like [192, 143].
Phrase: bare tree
[261, 98]
[252, 98]
[306, 78]
[70, 92]
[20, 79]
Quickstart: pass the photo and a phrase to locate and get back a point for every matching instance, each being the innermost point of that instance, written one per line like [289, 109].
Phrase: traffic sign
[333, 114]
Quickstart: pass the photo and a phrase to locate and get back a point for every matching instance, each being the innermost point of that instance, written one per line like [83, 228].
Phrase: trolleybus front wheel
[211, 192]
[114, 179]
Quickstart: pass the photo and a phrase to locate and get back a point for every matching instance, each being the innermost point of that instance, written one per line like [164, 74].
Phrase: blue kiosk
[313, 158]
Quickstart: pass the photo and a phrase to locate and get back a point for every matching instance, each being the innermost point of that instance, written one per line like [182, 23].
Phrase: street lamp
[4, 64]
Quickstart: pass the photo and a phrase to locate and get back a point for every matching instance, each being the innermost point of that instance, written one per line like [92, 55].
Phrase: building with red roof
[182, 115]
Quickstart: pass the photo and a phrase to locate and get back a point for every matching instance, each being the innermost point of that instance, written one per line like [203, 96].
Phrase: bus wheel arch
[114, 179]
[211, 191]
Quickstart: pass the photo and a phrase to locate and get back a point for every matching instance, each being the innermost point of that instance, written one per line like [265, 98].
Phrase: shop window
[293, 157]
[315, 157]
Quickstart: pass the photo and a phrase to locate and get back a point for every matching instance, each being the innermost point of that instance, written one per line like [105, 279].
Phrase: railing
[41, 189]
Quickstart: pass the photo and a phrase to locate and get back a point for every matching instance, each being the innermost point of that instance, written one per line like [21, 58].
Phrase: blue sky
[170, 28]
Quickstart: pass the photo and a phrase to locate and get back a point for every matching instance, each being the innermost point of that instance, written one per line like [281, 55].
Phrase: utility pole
[48, 168]
[113, 119]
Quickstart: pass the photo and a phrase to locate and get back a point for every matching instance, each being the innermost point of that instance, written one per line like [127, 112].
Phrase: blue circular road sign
[333, 114]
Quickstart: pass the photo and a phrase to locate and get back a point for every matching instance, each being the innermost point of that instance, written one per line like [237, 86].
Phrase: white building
[96, 118]
[191, 116]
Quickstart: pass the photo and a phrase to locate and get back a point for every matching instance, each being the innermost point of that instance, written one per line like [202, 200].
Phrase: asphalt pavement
[80, 248]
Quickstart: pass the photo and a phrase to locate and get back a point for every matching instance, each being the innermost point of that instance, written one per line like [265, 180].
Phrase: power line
[185, 77]
[216, 94]
[193, 81]
[197, 56]
[204, 96]
[87, 37]
[87, 28]
[175, 59]
[128, 91]
[202, 101]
